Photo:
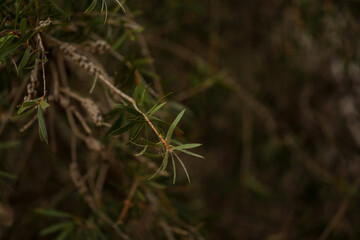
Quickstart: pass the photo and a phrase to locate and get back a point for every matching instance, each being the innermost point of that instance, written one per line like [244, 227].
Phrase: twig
[81, 186]
[100, 181]
[43, 57]
[335, 220]
[28, 124]
[167, 230]
[127, 202]
[81, 120]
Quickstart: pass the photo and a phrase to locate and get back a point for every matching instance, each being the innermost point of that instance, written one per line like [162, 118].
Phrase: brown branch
[127, 203]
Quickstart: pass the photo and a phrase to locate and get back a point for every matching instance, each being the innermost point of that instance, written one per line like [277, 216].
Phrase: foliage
[83, 71]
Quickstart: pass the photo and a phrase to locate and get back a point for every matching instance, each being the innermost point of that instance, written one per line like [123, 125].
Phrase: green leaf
[152, 144]
[165, 160]
[25, 59]
[190, 153]
[7, 47]
[183, 165]
[104, 6]
[30, 103]
[120, 42]
[122, 7]
[142, 152]
[41, 136]
[53, 213]
[91, 7]
[44, 104]
[174, 168]
[55, 228]
[122, 129]
[3, 22]
[16, 68]
[27, 104]
[151, 111]
[173, 126]
[156, 108]
[128, 109]
[137, 132]
[187, 146]
[155, 119]
[23, 26]
[42, 126]
[17, 13]
[143, 96]
[24, 115]
[65, 233]
[115, 125]
[141, 61]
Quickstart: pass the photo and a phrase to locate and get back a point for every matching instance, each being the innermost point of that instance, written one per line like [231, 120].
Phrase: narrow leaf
[23, 26]
[65, 233]
[91, 7]
[41, 136]
[22, 109]
[121, 5]
[187, 146]
[174, 167]
[55, 228]
[26, 105]
[53, 213]
[191, 153]
[120, 42]
[142, 152]
[25, 59]
[183, 165]
[42, 126]
[173, 126]
[156, 108]
[156, 173]
[137, 132]
[128, 109]
[24, 115]
[165, 161]
[152, 144]
[122, 129]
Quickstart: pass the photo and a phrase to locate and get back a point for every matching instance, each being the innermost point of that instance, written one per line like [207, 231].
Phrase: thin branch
[127, 202]
[28, 124]
[335, 220]
[167, 230]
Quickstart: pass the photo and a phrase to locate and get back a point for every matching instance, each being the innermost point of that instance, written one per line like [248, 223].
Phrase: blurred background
[275, 102]
[272, 90]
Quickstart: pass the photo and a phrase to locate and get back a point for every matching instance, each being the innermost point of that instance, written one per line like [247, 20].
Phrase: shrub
[79, 77]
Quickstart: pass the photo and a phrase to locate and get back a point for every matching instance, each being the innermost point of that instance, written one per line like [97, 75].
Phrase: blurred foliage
[273, 88]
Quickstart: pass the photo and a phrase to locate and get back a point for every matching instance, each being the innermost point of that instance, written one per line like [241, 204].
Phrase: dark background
[276, 106]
